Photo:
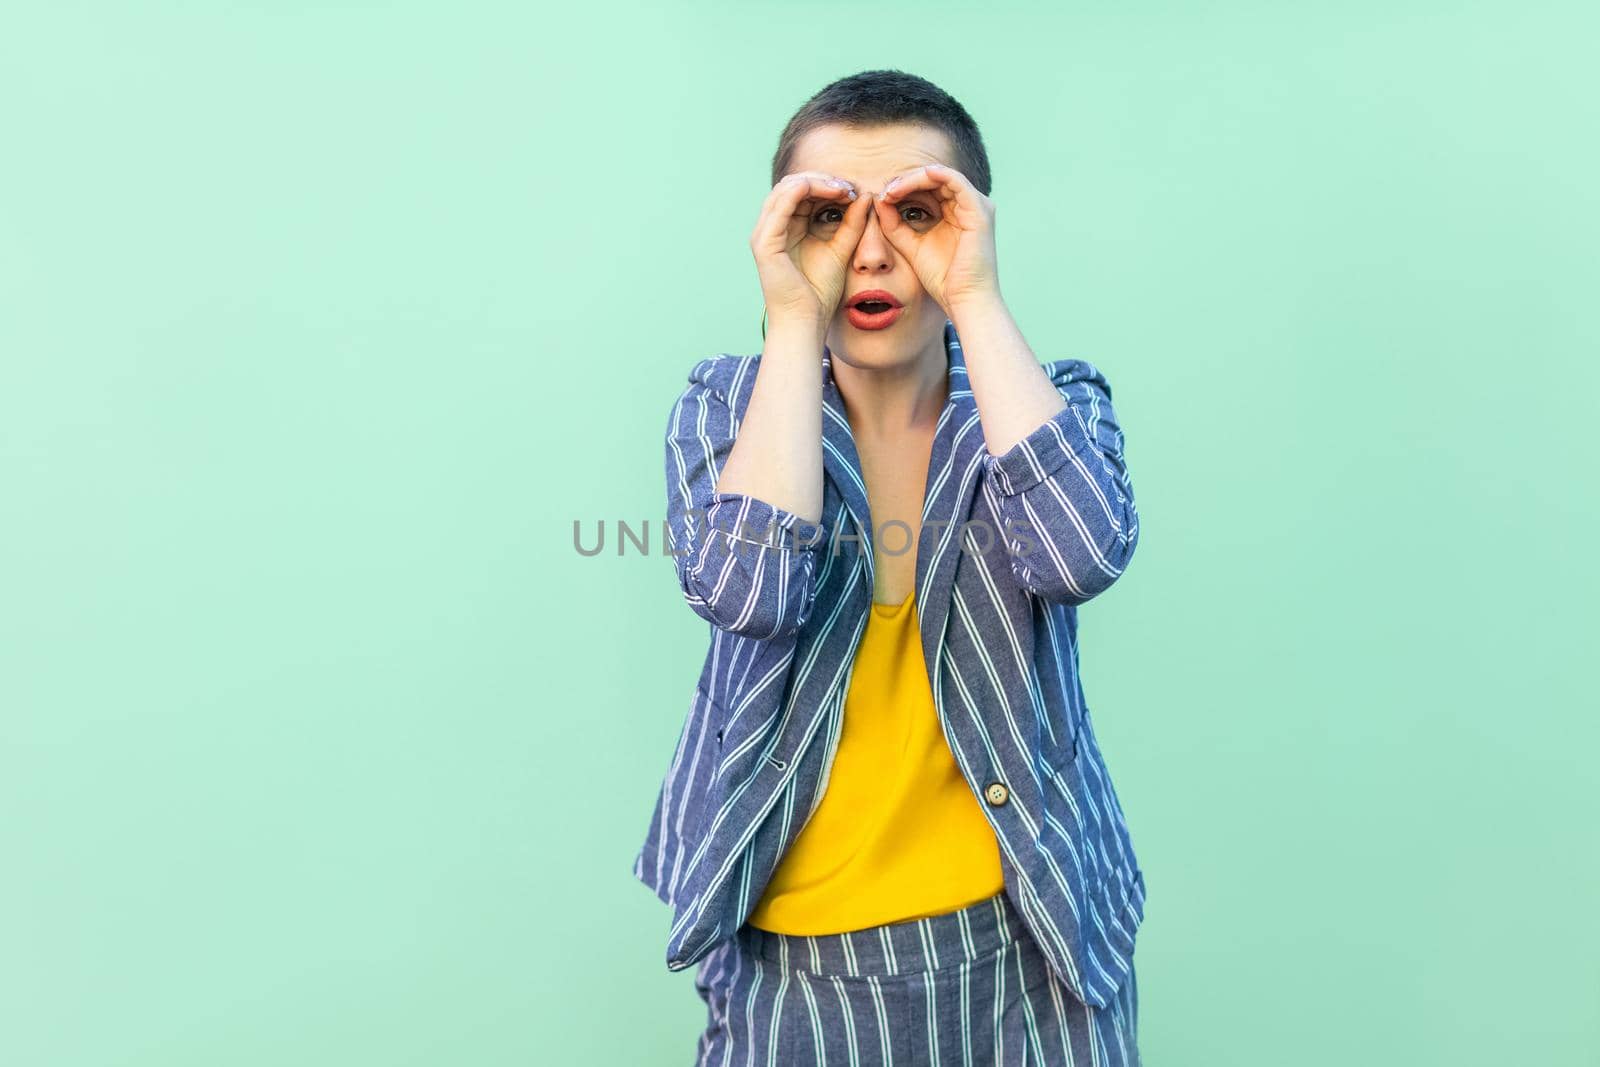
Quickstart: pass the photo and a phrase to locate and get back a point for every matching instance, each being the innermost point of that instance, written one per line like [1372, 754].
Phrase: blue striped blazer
[788, 600]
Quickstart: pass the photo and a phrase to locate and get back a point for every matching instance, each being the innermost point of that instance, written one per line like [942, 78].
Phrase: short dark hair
[882, 98]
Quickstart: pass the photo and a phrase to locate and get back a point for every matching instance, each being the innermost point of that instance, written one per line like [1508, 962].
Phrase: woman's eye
[914, 214]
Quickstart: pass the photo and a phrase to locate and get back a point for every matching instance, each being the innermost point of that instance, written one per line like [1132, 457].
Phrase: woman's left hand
[954, 257]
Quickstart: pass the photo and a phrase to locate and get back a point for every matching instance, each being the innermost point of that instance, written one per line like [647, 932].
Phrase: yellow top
[898, 834]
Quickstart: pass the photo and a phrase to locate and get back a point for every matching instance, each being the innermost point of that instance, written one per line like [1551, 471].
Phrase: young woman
[887, 833]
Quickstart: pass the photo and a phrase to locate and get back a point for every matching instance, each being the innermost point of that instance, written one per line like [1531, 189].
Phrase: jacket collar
[953, 469]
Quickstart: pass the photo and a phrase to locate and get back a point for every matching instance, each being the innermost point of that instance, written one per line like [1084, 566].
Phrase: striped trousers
[964, 989]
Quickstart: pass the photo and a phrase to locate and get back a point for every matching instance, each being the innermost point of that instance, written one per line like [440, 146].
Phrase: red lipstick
[880, 311]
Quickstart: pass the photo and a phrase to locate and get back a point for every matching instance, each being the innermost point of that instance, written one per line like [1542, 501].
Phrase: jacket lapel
[953, 470]
[840, 460]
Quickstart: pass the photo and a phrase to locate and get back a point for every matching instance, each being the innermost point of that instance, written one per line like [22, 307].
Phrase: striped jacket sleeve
[1063, 494]
[744, 565]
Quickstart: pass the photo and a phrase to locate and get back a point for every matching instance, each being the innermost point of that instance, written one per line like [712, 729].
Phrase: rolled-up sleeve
[744, 565]
[1063, 493]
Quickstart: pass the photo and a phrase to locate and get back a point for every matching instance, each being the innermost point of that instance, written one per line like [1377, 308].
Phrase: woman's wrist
[796, 331]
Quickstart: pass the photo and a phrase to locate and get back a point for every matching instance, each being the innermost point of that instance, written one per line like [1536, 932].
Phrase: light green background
[322, 323]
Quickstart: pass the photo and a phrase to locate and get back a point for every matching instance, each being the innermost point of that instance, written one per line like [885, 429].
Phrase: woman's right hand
[803, 241]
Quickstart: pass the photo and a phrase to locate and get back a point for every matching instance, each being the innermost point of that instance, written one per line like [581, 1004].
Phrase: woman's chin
[873, 349]
[871, 356]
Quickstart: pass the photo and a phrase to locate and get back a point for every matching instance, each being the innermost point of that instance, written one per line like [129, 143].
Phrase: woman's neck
[883, 402]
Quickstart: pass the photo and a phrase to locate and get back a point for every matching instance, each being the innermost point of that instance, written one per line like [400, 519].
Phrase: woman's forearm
[1012, 391]
[777, 456]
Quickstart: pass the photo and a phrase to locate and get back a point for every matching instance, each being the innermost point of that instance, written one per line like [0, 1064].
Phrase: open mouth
[874, 309]
[875, 301]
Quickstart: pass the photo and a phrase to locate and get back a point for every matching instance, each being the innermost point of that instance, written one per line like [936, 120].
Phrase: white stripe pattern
[989, 998]
[787, 600]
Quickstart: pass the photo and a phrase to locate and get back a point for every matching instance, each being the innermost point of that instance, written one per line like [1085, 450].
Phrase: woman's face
[867, 158]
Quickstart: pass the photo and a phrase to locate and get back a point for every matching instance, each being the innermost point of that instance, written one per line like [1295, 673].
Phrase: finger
[895, 230]
[781, 192]
[791, 211]
[853, 225]
[927, 176]
[818, 186]
[808, 182]
[947, 183]
[785, 199]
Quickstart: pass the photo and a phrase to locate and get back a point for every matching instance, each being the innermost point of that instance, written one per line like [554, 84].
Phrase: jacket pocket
[1075, 810]
[1059, 750]
[1082, 804]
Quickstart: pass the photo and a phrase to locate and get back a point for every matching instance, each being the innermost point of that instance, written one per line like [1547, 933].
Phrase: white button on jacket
[1048, 524]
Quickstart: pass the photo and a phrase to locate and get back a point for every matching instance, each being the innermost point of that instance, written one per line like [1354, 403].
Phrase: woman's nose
[873, 247]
